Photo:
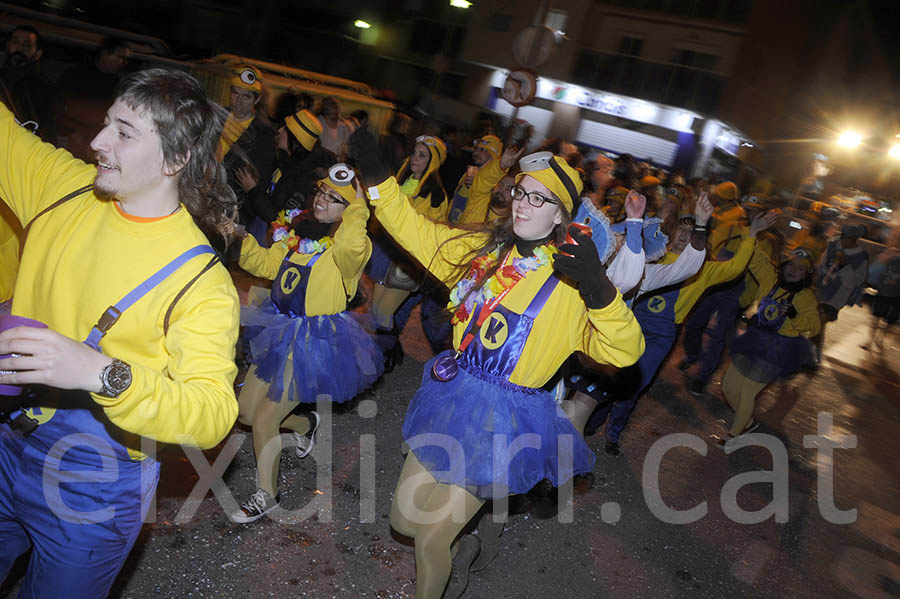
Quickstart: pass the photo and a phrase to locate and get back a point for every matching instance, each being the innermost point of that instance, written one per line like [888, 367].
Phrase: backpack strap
[215, 259]
[55, 204]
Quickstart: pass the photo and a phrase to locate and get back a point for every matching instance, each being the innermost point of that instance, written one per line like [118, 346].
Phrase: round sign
[533, 46]
[519, 87]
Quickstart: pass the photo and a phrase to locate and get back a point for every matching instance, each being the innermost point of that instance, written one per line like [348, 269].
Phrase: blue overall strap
[541, 298]
[112, 314]
[313, 260]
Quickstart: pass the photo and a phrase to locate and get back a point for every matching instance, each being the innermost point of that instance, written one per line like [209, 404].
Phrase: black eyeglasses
[537, 200]
[333, 199]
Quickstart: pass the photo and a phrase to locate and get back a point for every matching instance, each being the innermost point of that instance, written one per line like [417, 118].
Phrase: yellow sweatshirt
[608, 335]
[807, 322]
[487, 177]
[726, 227]
[335, 276]
[710, 275]
[86, 255]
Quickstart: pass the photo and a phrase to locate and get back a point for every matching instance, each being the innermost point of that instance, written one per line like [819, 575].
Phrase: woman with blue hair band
[304, 344]
[522, 302]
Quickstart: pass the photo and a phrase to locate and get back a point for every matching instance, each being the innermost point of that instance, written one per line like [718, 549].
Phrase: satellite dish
[533, 46]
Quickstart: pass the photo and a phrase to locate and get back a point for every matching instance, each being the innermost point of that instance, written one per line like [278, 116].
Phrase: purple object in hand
[8, 321]
[445, 368]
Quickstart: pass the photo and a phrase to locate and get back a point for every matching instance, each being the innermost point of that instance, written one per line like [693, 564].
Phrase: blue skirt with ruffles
[766, 356]
[331, 355]
[494, 438]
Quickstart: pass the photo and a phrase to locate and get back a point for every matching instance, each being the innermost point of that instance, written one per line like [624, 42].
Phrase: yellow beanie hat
[556, 174]
[340, 178]
[305, 127]
[492, 144]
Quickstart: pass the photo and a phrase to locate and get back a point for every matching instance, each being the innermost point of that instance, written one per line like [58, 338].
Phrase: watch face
[119, 377]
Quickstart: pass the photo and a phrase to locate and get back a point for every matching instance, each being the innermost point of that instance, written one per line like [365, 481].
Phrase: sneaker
[469, 548]
[307, 441]
[696, 387]
[259, 504]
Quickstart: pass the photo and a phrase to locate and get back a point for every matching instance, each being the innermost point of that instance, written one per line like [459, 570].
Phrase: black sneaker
[307, 441]
[257, 506]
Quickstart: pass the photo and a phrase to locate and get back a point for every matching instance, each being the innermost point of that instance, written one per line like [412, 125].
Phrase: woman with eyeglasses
[481, 426]
[304, 344]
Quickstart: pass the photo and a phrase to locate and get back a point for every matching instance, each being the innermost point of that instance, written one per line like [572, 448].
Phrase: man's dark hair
[188, 125]
[38, 40]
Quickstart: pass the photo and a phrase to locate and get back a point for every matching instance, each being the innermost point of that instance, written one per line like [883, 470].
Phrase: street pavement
[623, 539]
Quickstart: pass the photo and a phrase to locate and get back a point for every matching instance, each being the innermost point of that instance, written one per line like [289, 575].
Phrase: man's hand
[635, 204]
[510, 156]
[47, 358]
[763, 221]
[703, 210]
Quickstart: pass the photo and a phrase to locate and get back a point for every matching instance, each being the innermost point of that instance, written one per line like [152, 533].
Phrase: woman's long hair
[431, 187]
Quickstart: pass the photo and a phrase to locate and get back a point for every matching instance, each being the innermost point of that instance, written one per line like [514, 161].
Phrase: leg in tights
[740, 393]
[447, 509]
[267, 417]
[579, 409]
[385, 302]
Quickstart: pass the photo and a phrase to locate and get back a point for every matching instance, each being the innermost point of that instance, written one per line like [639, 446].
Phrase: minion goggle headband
[428, 140]
[543, 160]
[248, 78]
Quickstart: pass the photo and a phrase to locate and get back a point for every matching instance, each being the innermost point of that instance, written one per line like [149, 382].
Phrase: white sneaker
[259, 504]
[306, 442]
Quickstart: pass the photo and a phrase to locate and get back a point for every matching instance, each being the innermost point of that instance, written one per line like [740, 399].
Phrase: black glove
[583, 266]
[363, 154]
[791, 311]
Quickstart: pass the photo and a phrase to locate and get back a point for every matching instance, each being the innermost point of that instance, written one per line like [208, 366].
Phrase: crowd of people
[547, 280]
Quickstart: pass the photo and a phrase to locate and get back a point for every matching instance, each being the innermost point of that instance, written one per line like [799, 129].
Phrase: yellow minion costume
[470, 204]
[10, 232]
[305, 127]
[432, 205]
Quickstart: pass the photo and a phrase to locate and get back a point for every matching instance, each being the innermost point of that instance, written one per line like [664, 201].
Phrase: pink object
[586, 229]
[9, 321]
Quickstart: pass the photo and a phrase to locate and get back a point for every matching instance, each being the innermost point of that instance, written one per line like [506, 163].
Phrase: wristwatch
[115, 378]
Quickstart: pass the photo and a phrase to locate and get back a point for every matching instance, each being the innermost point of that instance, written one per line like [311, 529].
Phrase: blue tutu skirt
[331, 355]
[765, 356]
[453, 427]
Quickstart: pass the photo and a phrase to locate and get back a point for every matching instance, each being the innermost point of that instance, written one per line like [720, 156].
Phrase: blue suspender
[112, 314]
[537, 304]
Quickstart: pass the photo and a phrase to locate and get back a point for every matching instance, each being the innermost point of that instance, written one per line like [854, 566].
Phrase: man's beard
[16, 60]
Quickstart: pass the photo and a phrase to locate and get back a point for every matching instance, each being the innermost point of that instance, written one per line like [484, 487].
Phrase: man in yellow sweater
[141, 328]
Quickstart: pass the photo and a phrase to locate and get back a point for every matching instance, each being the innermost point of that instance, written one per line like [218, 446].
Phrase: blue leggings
[69, 558]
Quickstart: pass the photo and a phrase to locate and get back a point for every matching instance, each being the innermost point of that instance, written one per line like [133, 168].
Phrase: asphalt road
[620, 542]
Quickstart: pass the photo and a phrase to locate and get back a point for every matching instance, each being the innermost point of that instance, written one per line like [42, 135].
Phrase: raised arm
[352, 246]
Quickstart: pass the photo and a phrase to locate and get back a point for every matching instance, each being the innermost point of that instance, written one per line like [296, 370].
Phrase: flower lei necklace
[281, 231]
[504, 278]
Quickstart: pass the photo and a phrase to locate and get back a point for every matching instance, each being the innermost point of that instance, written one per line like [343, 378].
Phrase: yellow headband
[247, 77]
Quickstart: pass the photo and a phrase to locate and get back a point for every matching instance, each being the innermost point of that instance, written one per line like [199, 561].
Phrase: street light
[849, 139]
[361, 24]
[460, 3]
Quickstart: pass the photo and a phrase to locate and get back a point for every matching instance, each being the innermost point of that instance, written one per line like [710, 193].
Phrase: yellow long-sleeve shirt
[86, 255]
[710, 275]
[727, 225]
[479, 194]
[335, 276]
[608, 335]
[807, 322]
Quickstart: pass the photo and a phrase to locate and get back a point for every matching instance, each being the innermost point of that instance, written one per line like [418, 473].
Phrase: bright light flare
[460, 3]
[849, 139]
[894, 152]
[361, 24]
